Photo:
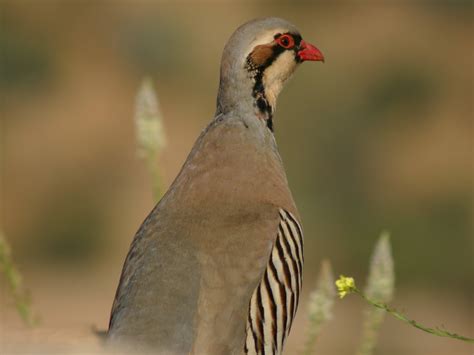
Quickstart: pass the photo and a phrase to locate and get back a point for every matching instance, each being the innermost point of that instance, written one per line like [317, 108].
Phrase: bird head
[258, 59]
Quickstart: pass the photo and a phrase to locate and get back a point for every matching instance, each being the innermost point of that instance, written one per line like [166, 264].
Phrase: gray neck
[235, 91]
[241, 91]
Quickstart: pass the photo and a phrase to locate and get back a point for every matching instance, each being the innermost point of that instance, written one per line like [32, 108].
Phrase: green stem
[403, 318]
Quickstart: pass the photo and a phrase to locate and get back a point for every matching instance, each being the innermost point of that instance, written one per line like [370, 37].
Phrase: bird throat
[265, 110]
[261, 103]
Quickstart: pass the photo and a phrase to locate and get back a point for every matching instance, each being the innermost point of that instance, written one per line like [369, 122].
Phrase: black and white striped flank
[274, 302]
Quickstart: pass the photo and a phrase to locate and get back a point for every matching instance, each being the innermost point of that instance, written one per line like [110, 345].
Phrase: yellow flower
[345, 285]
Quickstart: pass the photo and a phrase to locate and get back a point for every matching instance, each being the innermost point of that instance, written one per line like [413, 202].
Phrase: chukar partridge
[216, 267]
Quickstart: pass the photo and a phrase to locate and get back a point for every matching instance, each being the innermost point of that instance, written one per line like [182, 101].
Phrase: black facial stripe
[296, 48]
[262, 104]
[297, 38]
[270, 123]
[261, 101]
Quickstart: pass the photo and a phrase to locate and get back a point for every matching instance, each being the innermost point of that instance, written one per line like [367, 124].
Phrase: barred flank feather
[274, 302]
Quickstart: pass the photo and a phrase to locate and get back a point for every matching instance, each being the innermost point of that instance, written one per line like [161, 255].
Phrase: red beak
[309, 52]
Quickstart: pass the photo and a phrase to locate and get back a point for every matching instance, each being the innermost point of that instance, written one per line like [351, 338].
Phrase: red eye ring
[286, 41]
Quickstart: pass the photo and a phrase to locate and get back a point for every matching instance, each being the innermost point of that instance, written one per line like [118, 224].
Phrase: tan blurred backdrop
[379, 137]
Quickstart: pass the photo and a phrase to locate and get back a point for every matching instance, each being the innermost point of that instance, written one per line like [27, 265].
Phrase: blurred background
[379, 137]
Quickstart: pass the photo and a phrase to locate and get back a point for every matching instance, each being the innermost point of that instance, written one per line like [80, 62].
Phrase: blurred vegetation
[14, 283]
[149, 44]
[24, 61]
[380, 286]
[346, 285]
[150, 134]
[72, 235]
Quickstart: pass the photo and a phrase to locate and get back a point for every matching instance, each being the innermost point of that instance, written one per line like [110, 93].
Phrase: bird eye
[286, 41]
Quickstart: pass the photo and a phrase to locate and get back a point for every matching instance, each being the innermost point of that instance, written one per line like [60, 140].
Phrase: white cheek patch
[275, 76]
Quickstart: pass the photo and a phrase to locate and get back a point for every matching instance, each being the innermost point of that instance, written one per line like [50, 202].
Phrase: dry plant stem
[14, 283]
[320, 306]
[373, 320]
[402, 317]
[154, 170]
[380, 286]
